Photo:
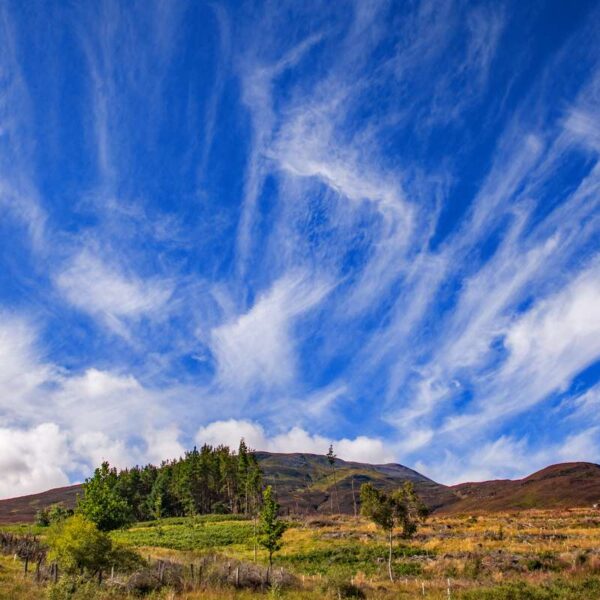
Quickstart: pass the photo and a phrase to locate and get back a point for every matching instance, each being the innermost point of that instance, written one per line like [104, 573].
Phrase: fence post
[26, 564]
[112, 572]
[448, 588]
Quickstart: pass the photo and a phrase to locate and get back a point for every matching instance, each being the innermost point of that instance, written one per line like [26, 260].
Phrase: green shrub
[77, 544]
[407, 569]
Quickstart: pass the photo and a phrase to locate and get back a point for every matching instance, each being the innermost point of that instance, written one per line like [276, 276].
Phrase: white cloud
[258, 346]
[33, 459]
[229, 432]
[163, 444]
[547, 346]
[558, 337]
[100, 289]
[95, 447]
[22, 370]
[507, 457]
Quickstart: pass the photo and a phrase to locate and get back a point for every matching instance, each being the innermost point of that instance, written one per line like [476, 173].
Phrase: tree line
[205, 481]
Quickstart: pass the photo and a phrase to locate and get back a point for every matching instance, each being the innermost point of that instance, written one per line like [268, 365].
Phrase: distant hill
[304, 483]
[558, 486]
[23, 508]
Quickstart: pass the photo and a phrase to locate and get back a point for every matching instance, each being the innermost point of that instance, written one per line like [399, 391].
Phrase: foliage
[76, 544]
[73, 587]
[206, 481]
[52, 514]
[402, 508]
[352, 556]
[102, 503]
[271, 527]
[182, 534]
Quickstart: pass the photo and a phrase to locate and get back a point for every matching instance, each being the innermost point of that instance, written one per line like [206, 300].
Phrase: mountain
[558, 486]
[305, 483]
[23, 508]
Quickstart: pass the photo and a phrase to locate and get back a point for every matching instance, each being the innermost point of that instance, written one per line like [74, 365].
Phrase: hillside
[23, 508]
[558, 486]
[305, 484]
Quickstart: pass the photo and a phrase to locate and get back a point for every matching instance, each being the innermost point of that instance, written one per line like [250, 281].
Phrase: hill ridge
[304, 483]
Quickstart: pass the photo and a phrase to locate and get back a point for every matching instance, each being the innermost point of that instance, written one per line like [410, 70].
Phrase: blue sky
[368, 223]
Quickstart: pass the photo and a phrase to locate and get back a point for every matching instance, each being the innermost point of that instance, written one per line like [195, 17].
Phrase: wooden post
[37, 569]
[192, 573]
[55, 574]
[237, 576]
[423, 587]
[99, 576]
[26, 564]
[448, 588]
[112, 572]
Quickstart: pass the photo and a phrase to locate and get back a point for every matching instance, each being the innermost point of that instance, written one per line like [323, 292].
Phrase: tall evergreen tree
[331, 460]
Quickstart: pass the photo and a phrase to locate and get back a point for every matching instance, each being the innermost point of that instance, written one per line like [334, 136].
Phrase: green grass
[24, 528]
[190, 521]
[187, 535]
[559, 589]
[354, 557]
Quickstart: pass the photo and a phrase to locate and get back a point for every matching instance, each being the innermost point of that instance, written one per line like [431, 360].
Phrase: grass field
[552, 555]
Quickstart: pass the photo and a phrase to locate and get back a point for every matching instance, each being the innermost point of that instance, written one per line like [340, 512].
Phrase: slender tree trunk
[390, 558]
[254, 537]
[337, 494]
[270, 566]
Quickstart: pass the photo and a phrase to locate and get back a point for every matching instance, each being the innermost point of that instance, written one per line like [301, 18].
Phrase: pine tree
[331, 460]
[243, 474]
[271, 527]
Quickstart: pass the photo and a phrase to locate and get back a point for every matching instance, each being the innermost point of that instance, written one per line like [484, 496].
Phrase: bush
[77, 545]
[52, 514]
[338, 585]
[407, 569]
[76, 588]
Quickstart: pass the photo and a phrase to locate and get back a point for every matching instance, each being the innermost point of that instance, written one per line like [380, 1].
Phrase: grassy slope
[543, 555]
[305, 484]
[558, 486]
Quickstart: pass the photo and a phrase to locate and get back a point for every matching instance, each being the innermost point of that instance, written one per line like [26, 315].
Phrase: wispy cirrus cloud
[380, 221]
[102, 290]
[257, 348]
